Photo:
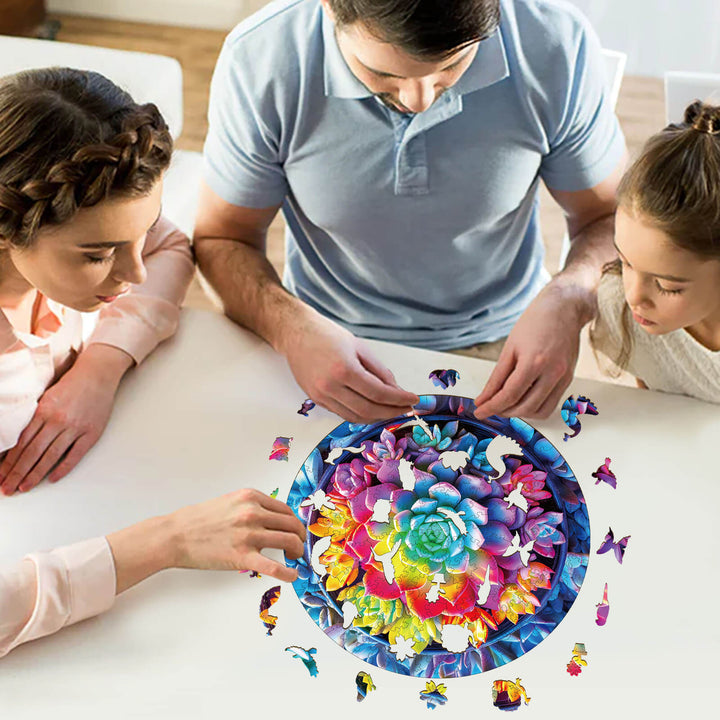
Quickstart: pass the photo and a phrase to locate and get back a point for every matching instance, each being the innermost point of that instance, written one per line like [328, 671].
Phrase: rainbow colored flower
[433, 552]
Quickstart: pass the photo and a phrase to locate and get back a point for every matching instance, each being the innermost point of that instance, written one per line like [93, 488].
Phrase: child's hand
[69, 419]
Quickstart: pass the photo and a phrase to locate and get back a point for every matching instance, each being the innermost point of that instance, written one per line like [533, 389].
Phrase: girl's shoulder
[611, 305]
[611, 295]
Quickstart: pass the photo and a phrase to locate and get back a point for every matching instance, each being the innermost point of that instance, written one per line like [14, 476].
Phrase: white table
[198, 419]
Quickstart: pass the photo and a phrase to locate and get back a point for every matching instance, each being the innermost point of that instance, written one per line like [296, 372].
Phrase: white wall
[214, 14]
[657, 35]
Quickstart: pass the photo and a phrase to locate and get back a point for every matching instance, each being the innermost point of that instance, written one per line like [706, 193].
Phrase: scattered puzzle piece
[364, 684]
[571, 411]
[508, 695]
[605, 474]
[444, 378]
[306, 656]
[280, 448]
[578, 661]
[433, 695]
[618, 547]
[274, 493]
[269, 598]
[306, 407]
[603, 608]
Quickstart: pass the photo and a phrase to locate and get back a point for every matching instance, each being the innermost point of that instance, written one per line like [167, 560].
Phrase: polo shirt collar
[339, 79]
[489, 66]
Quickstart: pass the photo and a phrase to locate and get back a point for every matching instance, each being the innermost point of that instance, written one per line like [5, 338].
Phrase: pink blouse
[47, 591]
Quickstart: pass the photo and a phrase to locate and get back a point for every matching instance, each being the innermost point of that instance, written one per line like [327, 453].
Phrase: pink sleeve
[48, 591]
[139, 321]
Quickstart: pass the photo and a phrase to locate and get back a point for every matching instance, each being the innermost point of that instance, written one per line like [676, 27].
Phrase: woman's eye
[99, 258]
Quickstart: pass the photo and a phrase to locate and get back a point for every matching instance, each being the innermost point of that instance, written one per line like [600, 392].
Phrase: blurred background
[656, 35]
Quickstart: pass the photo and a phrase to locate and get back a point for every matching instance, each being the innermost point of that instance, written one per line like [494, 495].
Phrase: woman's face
[666, 287]
[94, 258]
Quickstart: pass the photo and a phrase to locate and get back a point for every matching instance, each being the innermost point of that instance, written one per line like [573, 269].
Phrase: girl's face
[94, 258]
[666, 287]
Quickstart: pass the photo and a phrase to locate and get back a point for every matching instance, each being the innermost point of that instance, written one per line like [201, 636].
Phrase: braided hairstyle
[675, 186]
[68, 140]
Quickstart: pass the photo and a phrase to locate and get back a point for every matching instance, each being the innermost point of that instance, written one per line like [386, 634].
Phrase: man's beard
[389, 102]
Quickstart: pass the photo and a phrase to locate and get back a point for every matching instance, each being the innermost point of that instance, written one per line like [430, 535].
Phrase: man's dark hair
[422, 28]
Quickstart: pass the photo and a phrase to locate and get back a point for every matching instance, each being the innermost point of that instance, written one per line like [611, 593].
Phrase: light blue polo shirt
[420, 229]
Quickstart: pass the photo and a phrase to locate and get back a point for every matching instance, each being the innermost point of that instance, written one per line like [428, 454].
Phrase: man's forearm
[590, 249]
[248, 286]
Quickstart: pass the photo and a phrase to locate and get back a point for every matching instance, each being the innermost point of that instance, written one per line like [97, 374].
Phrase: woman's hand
[226, 533]
[69, 419]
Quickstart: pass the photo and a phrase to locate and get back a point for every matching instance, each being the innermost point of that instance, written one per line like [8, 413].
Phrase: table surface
[198, 419]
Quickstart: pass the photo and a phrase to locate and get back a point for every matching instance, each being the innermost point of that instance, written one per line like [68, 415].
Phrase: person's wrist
[142, 550]
[105, 363]
[291, 322]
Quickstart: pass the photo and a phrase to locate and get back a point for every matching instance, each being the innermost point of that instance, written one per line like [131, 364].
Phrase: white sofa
[148, 78]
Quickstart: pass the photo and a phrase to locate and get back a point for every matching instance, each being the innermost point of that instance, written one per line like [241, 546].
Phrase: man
[405, 142]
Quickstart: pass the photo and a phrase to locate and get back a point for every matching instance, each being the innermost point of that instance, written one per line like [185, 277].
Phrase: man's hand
[339, 372]
[539, 357]
[68, 421]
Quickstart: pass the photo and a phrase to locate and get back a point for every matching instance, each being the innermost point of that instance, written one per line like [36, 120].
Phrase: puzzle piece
[280, 448]
[364, 684]
[578, 661]
[444, 378]
[306, 656]
[306, 407]
[618, 547]
[269, 598]
[433, 695]
[603, 608]
[508, 695]
[605, 474]
[571, 411]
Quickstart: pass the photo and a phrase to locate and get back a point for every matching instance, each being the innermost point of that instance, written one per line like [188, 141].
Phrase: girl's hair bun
[703, 117]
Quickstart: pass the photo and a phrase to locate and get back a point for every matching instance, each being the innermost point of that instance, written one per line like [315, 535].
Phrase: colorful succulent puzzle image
[439, 545]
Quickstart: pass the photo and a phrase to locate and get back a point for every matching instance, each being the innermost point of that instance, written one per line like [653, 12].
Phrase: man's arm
[539, 358]
[333, 367]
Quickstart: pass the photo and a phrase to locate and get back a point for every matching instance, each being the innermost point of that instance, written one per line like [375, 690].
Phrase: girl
[81, 170]
[80, 231]
[659, 303]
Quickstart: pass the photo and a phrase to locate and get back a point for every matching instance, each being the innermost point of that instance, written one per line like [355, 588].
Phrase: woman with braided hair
[659, 302]
[80, 231]
[83, 242]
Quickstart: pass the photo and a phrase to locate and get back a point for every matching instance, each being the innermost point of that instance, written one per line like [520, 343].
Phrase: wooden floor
[640, 109]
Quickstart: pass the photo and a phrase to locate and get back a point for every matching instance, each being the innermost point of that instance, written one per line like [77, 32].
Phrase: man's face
[402, 82]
